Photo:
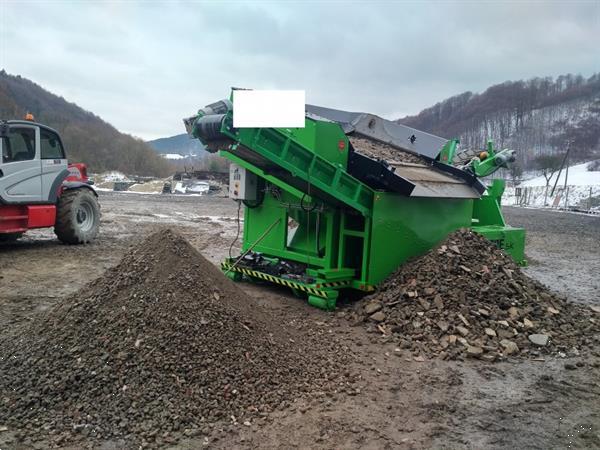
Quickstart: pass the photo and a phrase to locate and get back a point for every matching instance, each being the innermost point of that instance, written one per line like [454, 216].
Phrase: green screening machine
[340, 204]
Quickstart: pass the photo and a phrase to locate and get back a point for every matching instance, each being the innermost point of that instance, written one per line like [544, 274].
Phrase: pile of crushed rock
[466, 298]
[161, 346]
[380, 150]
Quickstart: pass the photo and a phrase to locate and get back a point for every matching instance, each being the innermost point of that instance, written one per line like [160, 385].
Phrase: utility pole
[561, 166]
[566, 188]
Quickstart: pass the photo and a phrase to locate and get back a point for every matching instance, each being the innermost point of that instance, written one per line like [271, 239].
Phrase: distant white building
[173, 156]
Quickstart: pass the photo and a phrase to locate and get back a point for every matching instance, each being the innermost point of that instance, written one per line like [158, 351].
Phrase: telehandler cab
[39, 188]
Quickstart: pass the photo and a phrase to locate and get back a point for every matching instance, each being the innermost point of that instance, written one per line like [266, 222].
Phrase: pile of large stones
[466, 298]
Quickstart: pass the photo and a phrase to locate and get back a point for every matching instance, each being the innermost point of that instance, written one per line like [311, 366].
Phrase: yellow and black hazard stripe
[273, 279]
[334, 283]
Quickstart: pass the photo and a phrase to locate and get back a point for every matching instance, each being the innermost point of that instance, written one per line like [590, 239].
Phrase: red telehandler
[39, 188]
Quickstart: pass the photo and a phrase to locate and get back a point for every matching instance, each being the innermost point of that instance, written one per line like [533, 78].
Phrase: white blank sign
[268, 109]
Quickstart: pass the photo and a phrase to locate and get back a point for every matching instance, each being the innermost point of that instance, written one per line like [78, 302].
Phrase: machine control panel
[242, 183]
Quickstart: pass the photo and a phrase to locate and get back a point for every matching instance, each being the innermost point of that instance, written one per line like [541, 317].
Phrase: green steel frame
[489, 222]
[346, 233]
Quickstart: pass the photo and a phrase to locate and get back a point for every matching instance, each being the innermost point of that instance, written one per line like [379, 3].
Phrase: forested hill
[87, 137]
[534, 116]
[180, 144]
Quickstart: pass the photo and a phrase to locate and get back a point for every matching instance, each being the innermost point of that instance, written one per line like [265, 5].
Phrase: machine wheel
[10, 237]
[77, 217]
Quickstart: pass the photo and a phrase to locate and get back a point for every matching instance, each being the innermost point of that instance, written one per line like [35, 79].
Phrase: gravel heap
[379, 150]
[162, 345]
[468, 298]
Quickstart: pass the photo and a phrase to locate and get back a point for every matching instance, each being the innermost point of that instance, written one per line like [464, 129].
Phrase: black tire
[10, 237]
[77, 216]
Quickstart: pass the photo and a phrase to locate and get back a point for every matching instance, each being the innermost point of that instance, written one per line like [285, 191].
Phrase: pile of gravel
[467, 298]
[162, 345]
[379, 150]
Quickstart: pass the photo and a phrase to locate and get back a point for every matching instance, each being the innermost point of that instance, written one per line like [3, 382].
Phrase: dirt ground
[563, 250]
[400, 402]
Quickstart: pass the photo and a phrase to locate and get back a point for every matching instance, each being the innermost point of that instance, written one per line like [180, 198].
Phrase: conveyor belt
[379, 150]
[381, 130]
[386, 167]
[384, 156]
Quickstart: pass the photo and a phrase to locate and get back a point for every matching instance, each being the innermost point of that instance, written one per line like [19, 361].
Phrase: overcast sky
[142, 66]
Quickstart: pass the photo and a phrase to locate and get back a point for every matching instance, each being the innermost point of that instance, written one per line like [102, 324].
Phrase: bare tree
[548, 165]
[515, 170]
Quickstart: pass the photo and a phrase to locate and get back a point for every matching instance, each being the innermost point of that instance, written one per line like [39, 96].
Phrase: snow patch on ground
[578, 176]
[111, 176]
[582, 186]
[103, 189]
[220, 219]
[535, 196]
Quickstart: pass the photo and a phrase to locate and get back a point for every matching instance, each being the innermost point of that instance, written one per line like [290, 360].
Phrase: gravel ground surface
[398, 400]
[563, 250]
[161, 347]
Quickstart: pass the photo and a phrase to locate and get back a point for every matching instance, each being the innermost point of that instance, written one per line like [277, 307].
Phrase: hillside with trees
[180, 144]
[196, 157]
[87, 138]
[534, 117]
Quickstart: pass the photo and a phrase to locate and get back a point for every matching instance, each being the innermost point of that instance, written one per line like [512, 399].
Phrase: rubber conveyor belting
[383, 166]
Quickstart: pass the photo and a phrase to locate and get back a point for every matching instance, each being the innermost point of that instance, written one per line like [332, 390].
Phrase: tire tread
[64, 227]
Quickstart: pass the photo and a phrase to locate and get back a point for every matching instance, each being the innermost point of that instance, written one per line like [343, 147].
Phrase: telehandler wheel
[10, 237]
[77, 216]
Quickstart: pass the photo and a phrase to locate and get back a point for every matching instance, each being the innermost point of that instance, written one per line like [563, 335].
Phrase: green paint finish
[322, 165]
[448, 151]
[489, 222]
[323, 138]
[328, 304]
[493, 161]
[261, 173]
[348, 234]
[509, 239]
[294, 237]
[486, 210]
[404, 227]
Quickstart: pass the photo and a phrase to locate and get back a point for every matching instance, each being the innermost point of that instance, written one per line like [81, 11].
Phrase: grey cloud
[143, 66]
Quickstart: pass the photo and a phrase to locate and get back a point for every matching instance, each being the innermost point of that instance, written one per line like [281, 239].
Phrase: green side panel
[294, 237]
[489, 222]
[319, 166]
[448, 151]
[404, 227]
[326, 139]
[486, 210]
[258, 220]
[302, 237]
[509, 239]
[261, 173]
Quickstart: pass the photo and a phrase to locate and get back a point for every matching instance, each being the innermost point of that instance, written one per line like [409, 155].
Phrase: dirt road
[563, 250]
[400, 402]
